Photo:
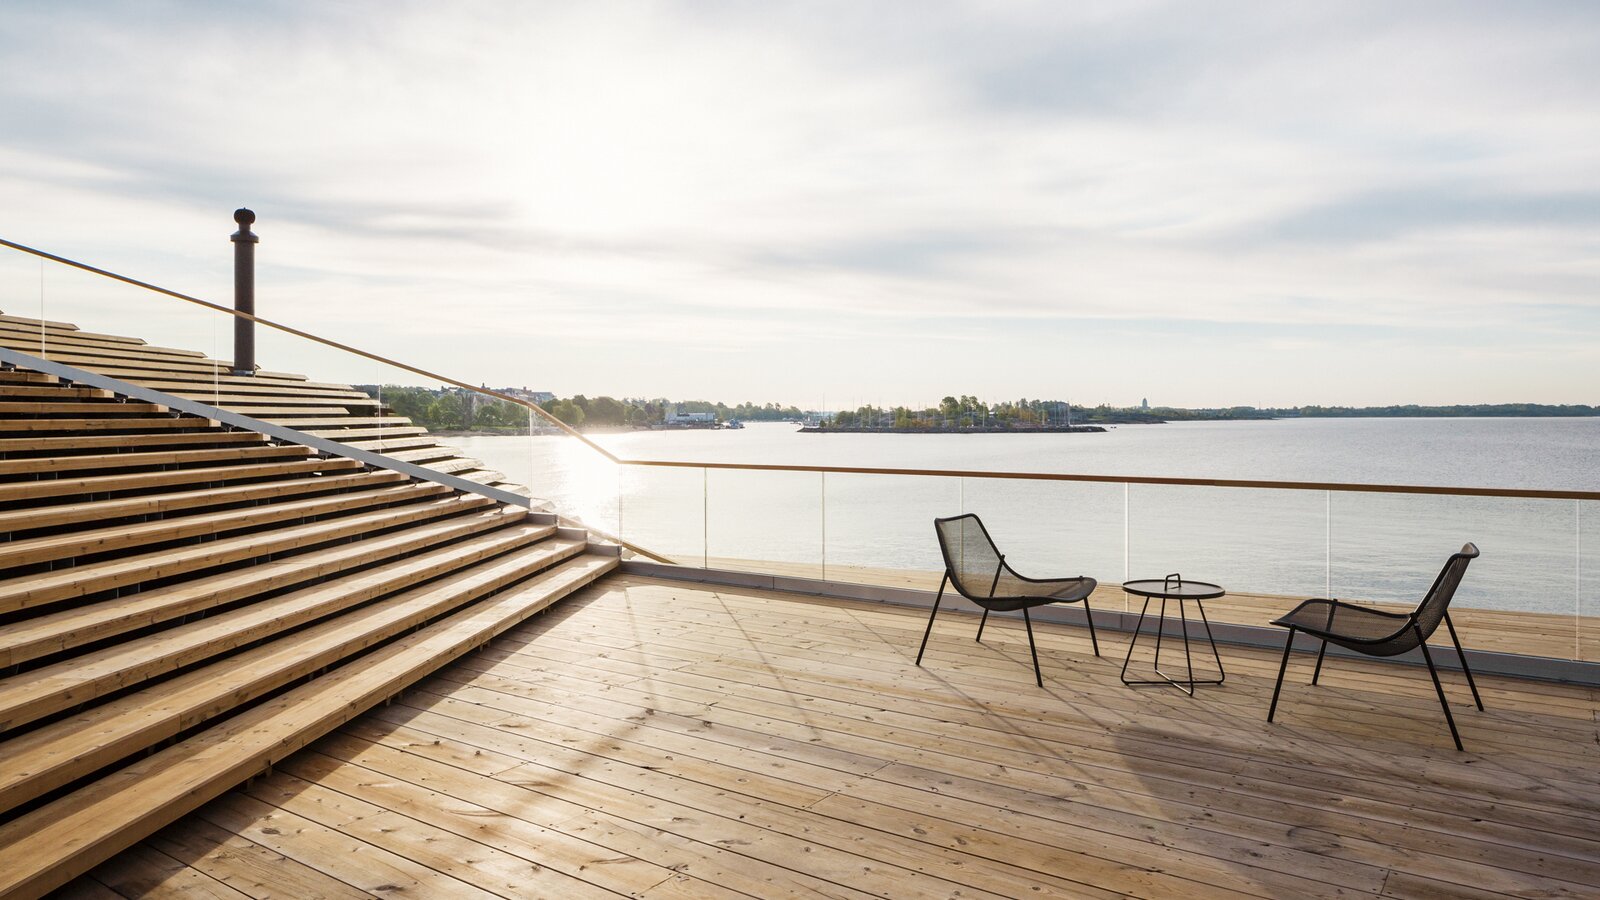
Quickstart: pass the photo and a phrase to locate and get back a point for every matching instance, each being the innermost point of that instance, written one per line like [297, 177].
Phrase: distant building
[676, 419]
[1145, 403]
[523, 393]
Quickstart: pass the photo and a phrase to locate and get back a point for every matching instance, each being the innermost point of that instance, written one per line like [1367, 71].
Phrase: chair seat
[1350, 623]
[1012, 594]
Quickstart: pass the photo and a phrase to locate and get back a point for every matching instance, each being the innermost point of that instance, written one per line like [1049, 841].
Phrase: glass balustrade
[1586, 579]
[1266, 547]
[764, 521]
[879, 528]
[1516, 598]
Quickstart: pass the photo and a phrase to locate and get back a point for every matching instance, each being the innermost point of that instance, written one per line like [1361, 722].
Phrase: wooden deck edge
[1544, 668]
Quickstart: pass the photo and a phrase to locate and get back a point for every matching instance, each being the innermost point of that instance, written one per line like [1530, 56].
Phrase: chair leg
[1443, 703]
[982, 622]
[1322, 651]
[1089, 614]
[1464, 667]
[1037, 675]
[936, 599]
[1282, 667]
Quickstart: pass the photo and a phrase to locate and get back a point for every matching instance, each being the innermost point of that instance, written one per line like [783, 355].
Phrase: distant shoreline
[996, 429]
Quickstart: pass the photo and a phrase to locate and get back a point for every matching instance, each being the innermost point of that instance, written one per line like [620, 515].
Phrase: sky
[837, 203]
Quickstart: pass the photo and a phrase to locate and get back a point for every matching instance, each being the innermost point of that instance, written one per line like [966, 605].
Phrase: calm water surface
[1374, 546]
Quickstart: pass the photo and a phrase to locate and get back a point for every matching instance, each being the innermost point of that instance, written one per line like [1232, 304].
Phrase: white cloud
[821, 197]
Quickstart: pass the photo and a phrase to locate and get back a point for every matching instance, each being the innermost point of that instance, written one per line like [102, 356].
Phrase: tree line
[455, 409]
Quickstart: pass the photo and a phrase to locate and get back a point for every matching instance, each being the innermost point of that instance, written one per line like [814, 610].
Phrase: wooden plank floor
[658, 739]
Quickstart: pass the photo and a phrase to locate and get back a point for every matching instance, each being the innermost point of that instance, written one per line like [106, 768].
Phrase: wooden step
[354, 494]
[52, 326]
[423, 455]
[87, 462]
[156, 375]
[305, 424]
[250, 403]
[293, 415]
[387, 446]
[52, 391]
[454, 466]
[42, 760]
[49, 689]
[50, 846]
[167, 503]
[201, 370]
[251, 387]
[342, 434]
[13, 491]
[39, 408]
[65, 444]
[30, 333]
[11, 376]
[82, 581]
[52, 633]
[16, 426]
[27, 340]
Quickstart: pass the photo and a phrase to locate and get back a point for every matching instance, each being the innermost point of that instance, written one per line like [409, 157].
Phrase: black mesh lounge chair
[979, 572]
[1378, 633]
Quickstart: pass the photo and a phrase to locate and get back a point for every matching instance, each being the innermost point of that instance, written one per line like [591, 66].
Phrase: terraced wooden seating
[181, 605]
[325, 409]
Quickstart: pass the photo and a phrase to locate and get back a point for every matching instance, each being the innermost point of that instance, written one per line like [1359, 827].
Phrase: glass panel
[1516, 598]
[1055, 529]
[663, 510]
[1266, 547]
[880, 528]
[760, 521]
[1586, 528]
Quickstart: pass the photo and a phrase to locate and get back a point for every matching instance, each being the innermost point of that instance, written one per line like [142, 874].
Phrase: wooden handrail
[1533, 494]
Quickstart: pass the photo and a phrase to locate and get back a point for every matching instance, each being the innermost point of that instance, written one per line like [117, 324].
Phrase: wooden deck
[660, 739]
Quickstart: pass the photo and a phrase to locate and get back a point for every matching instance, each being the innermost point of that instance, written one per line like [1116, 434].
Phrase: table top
[1174, 590]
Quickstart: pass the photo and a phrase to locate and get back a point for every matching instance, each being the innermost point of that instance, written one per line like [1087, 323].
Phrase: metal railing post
[244, 293]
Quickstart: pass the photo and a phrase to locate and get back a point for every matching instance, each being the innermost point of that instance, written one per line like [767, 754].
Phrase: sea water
[1378, 546]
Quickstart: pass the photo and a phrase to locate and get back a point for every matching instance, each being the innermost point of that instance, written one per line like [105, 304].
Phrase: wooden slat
[27, 340]
[355, 433]
[243, 864]
[129, 424]
[53, 391]
[251, 403]
[199, 370]
[167, 503]
[354, 492]
[324, 422]
[15, 491]
[39, 408]
[87, 462]
[50, 846]
[33, 590]
[54, 632]
[49, 325]
[53, 444]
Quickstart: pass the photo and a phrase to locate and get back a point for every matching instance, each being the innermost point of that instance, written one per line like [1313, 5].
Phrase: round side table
[1173, 587]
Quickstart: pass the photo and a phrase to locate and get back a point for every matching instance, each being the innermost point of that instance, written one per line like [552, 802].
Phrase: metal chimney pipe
[244, 292]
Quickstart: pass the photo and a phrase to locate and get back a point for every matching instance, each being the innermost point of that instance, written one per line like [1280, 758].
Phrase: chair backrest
[1430, 612]
[970, 556]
